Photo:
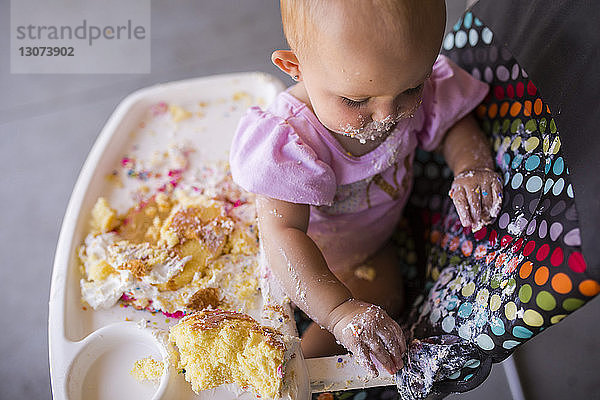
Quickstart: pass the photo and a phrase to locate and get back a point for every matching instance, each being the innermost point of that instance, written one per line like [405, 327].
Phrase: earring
[295, 77]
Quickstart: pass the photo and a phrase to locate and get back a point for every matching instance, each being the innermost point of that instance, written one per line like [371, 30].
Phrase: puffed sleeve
[448, 95]
[268, 157]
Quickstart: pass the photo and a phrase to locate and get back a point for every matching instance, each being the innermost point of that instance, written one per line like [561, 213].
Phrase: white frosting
[96, 247]
[245, 212]
[162, 273]
[105, 294]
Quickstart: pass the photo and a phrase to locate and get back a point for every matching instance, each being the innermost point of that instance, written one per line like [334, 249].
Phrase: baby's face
[361, 82]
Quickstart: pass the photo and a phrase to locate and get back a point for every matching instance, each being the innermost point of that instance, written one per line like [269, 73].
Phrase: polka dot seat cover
[500, 286]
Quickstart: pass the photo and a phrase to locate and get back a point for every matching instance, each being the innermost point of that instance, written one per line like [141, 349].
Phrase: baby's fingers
[381, 353]
[393, 339]
[462, 205]
[362, 356]
[474, 198]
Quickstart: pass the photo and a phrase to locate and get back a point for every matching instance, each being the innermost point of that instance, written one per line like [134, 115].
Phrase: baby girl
[331, 161]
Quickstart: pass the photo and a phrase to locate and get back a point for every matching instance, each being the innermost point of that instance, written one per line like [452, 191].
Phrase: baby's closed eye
[354, 103]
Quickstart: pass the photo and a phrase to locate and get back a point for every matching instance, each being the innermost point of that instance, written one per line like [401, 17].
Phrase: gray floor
[48, 124]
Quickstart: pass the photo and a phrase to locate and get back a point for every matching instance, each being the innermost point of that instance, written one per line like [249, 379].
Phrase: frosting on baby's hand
[371, 334]
[477, 196]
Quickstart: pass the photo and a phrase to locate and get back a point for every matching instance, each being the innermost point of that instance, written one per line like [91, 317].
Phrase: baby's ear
[287, 61]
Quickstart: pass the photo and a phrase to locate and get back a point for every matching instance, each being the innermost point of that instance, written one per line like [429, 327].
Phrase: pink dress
[285, 153]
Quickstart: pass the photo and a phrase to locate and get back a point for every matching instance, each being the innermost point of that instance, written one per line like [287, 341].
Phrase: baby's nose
[384, 111]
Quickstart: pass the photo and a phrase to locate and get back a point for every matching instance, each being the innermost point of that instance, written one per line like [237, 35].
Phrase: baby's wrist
[459, 167]
[340, 311]
[471, 171]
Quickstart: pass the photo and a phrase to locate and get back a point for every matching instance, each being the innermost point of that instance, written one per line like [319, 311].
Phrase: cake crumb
[115, 179]
[100, 271]
[204, 298]
[137, 267]
[147, 369]
[237, 96]
[178, 113]
[365, 272]
[104, 218]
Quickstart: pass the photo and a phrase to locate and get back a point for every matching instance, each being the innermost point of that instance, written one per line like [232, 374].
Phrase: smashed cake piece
[142, 223]
[218, 346]
[170, 252]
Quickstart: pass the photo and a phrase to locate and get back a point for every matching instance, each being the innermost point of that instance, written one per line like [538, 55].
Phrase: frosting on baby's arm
[296, 261]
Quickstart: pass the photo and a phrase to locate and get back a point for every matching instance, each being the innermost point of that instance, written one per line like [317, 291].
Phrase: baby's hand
[477, 196]
[369, 333]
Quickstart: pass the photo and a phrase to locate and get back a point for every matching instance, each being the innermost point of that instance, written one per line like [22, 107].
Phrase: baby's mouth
[372, 130]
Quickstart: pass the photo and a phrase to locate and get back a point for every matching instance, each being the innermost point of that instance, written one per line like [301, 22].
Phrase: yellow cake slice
[218, 346]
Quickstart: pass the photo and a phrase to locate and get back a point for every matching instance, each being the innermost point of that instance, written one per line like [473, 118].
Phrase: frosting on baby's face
[362, 76]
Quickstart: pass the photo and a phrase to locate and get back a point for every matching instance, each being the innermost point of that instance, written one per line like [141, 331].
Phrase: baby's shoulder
[287, 119]
[272, 154]
[284, 107]
[276, 116]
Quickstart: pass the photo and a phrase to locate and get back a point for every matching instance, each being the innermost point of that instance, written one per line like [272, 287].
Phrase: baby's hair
[297, 17]
[301, 18]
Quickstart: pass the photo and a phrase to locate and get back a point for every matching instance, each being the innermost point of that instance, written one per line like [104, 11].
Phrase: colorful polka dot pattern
[504, 284]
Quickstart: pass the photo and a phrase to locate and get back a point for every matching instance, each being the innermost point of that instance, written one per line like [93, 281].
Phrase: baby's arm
[300, 268]
[477, 188]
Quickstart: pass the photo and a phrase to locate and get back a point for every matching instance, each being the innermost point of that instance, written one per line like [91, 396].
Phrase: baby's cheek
[349, 120]
[336, 120]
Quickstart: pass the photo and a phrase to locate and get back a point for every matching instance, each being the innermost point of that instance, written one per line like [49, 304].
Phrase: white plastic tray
[92, 352]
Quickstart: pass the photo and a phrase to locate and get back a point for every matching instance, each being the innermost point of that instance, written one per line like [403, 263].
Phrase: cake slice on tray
[217, 347]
